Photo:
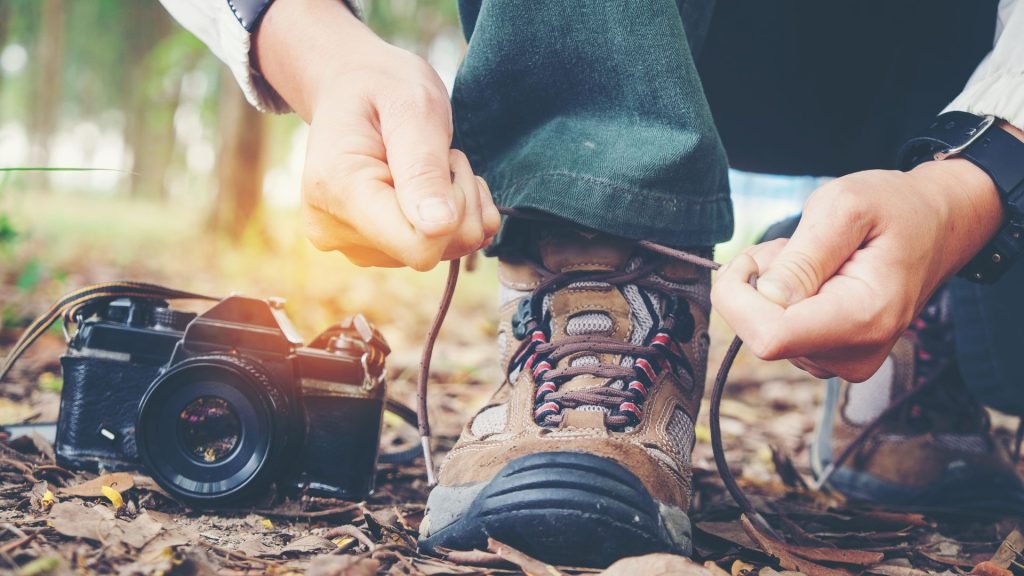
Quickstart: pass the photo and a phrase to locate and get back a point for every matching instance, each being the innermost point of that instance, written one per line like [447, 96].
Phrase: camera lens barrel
[213, 429]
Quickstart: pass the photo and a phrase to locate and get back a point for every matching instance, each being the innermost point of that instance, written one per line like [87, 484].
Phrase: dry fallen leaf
[988, 568]
[329, 565]
[1009, 550]
[119, 481]
[48, 500]
[386, 528]
[787, 559]
[741, 568]
[340, 533]
[140, 531]
[114, 496]
[899, 567]
[715, 569]
[730, 531]
[473, 557]
[308, 544]
[78, 521]
[529, 565]
[99, 524]
[433, 567]
[656, 565]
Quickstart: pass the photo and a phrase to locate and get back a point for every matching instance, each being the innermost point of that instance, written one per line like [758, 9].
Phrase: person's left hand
[870, 249]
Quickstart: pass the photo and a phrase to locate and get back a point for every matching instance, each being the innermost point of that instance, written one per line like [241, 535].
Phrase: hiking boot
[582, 455]
[936, 449]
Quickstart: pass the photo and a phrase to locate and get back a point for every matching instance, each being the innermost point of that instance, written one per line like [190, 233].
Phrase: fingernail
[778, 292]
[436, 211]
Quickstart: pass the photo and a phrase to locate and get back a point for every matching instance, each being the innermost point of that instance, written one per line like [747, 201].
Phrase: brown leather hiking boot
[582, 456]
[933, 450]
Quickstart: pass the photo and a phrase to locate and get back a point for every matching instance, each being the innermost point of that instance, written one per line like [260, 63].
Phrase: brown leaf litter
[55, 521]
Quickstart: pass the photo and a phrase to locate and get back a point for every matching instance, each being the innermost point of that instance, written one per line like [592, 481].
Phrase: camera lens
[212, 429]
[209, 429]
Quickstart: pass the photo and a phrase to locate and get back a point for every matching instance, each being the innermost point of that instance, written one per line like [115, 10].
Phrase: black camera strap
[71, 304]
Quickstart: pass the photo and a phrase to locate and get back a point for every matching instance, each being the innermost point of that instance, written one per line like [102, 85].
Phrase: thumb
[817, 250]
[417, 154]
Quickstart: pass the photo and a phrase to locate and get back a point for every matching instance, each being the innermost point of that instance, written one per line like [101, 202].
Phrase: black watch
[997, 152]
[250, 12]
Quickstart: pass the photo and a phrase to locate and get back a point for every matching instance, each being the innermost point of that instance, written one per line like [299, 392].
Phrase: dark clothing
[594, 111]
[817, 88]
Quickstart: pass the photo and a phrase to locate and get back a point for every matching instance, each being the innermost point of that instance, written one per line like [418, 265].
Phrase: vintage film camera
[218, 406]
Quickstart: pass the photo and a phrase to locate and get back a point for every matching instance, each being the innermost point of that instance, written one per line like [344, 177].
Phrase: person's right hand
[381, 183]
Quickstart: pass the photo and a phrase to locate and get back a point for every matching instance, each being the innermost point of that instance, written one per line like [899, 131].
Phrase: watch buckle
[986, 123]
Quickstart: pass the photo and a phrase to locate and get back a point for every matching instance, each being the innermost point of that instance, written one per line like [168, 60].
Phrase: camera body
[218, 406]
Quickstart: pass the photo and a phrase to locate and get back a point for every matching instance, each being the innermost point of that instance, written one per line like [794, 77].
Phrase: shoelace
[606, 398]
[716, 397]
[538, 354]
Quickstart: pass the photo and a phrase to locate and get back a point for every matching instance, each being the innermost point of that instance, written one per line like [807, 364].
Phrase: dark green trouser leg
[593, 111]
[989, 322]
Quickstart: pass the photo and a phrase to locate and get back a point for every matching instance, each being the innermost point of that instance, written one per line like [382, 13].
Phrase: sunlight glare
[13, 59]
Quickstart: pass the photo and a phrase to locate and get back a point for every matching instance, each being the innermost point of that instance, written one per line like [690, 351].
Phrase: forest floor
[55, 521]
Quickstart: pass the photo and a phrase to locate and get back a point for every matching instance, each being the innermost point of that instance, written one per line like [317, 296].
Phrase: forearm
[302, 44]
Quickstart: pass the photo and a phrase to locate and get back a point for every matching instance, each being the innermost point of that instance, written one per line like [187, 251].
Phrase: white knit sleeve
[213, 22]
[997, 85]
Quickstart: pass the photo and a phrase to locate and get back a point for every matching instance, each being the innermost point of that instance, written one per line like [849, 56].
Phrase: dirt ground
[55, 521]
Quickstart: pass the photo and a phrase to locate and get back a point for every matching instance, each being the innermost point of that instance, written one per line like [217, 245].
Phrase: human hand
[380, 183]
[870, 249]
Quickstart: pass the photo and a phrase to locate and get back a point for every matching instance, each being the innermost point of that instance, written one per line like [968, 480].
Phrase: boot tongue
[569, 250]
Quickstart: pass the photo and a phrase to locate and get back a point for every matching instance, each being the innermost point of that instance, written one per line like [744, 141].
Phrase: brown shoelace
[609, 397]
[591, 396]
[539, 353]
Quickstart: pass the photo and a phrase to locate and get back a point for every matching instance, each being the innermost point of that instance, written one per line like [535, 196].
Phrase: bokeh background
[191, 187]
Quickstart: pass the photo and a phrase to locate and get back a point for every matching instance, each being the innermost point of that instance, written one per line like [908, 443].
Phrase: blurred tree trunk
[152, 140]
[5, 17]
[47, 58]
[241, 159]
[146, 124]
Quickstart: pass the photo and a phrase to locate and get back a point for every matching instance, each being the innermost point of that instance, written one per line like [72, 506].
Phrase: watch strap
[1000, 155]
[974, 138]
[249, 12]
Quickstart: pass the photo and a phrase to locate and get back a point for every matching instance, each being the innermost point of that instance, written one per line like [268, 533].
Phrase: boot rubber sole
[563, 508]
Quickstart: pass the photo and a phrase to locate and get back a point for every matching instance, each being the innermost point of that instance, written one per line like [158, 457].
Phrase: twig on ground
[350, 530]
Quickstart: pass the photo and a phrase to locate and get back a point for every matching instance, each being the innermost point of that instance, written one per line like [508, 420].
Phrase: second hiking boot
[934, 450]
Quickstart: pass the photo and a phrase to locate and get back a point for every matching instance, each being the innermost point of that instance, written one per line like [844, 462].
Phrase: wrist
[970, 208]
[300, 46]
[1013, 130]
